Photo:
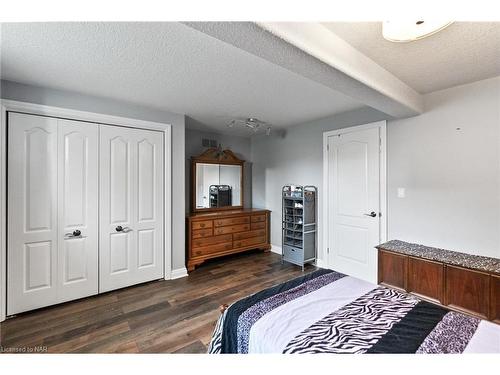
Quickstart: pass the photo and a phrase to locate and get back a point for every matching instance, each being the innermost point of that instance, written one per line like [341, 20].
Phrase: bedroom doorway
[355, 198]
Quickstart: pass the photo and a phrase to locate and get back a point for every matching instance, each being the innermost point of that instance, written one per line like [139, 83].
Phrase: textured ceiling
[462, 53]
[311, 50]
[168, 66]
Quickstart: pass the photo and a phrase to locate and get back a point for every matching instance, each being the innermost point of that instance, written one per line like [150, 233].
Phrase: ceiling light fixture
[407, 31]
[252, 123]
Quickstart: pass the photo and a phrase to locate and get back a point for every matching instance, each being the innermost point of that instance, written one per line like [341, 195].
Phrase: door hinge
[380, 144]
[328, 250]
[327, 147]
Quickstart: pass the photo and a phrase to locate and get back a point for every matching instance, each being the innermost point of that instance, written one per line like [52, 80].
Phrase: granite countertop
[456, 258]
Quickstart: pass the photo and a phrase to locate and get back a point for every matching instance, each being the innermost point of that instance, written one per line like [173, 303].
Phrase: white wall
[65, 99]
[451, 177]
[295, 157]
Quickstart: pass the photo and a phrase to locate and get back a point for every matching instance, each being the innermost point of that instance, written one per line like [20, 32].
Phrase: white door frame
[382, 125]
[99, 118]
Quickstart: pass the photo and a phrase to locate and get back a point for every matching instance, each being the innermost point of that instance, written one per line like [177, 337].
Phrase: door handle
[75, 234]
[371, 214]
[119, 228]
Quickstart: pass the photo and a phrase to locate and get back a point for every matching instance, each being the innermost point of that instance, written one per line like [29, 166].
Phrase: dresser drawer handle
[202, 225]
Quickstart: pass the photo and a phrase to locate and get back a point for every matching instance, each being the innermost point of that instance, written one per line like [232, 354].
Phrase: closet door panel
[146, 170]
[146, 249]
[131, 197]
[119, 180]
[78, 209]
[117, 173]
[38, 164]
[149, 220]
[32, 212]
[119, 253]
[74, 263]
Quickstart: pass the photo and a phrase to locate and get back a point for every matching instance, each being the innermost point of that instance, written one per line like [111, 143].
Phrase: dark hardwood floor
[176, 316]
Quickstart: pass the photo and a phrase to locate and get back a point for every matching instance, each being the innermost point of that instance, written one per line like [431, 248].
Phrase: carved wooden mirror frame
[215, 156]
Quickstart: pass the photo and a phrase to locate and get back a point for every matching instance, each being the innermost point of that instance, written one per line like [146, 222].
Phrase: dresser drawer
[213, 235]
[202, 224]
[231, 221]
[250, 234]
[249, 241]
[232, 229]
[202, 242]
[261, 225]
[293, 254]
[200, 233]
[258, 218]
[206, 250]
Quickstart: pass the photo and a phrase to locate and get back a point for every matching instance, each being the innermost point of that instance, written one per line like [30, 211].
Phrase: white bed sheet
[272, 332]
[486, 339]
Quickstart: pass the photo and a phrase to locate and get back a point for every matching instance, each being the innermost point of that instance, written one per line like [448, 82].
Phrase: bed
[329, 312]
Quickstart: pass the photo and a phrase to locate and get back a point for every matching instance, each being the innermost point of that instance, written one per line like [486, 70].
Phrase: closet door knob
[372, 214]
[119, 228]
[77, 233]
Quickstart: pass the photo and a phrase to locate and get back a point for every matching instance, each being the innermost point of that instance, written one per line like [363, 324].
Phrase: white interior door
[131, 196]
[354, 202]
[78, 194]
[32, 212]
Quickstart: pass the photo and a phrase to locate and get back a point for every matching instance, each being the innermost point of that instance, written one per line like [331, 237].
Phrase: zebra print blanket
[328, 312]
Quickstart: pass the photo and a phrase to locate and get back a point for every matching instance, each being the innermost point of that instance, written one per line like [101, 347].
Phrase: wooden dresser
[215, 234]
[458, 281]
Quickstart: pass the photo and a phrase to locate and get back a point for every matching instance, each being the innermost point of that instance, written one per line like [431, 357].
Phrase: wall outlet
[401, 192]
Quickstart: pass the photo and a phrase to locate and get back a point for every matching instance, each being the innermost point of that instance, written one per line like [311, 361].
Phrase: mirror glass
[218, 185]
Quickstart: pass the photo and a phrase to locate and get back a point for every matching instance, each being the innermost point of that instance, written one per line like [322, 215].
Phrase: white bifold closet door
[131, 207]
[78, 209]
[52, 237]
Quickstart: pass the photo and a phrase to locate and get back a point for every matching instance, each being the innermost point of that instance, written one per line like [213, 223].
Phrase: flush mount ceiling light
[252, 123]
[407, 31]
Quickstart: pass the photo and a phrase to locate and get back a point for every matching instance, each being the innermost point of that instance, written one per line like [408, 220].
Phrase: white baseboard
[276, 249]
[178, 273]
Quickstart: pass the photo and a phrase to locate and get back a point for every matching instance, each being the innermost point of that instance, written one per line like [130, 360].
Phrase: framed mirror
[217, 181]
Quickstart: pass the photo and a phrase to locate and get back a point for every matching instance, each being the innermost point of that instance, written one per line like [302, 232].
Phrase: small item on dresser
[299, 224]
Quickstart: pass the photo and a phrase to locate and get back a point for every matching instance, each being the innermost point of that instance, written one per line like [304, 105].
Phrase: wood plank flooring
[176, 316]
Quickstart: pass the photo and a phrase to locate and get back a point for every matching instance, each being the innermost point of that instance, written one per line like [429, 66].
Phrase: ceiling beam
[314, 52]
